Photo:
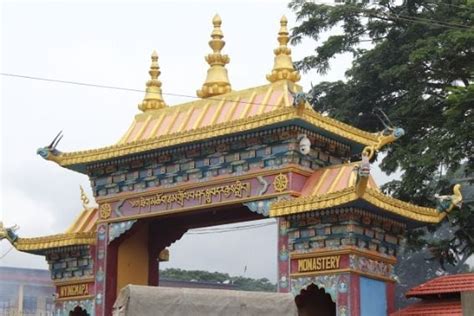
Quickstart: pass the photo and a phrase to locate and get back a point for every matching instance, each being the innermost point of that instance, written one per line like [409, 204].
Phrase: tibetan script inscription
[238, 190]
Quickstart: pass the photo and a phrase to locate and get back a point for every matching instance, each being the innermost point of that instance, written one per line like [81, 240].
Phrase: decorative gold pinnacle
[217, 81]
[283, 67]
[84, 198]
[153, 99]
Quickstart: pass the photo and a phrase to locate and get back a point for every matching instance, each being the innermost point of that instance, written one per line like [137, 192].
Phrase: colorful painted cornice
[336, 186]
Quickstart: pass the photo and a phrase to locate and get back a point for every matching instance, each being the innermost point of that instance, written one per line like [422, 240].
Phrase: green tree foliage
[240, 283]
[415, 267]
[414, 59]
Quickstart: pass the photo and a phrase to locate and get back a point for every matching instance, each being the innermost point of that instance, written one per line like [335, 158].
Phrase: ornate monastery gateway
[232, 156]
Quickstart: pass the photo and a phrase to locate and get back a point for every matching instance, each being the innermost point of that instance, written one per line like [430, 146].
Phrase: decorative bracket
[260, 207]
[118, 229]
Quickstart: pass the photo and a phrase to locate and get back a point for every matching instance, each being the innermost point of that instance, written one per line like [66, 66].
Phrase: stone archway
[314, 301]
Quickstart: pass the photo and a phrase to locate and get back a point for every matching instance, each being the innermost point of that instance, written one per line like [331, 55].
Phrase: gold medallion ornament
[105, 210]
[280, 183]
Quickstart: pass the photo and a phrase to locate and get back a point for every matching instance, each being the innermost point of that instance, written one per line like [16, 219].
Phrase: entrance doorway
[314, 301]
[134, 254]
[78, 311]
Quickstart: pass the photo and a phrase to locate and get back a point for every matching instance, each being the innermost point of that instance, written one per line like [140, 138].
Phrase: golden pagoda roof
[337, 185]
[227, 114]
[81, 232]
[220, 111]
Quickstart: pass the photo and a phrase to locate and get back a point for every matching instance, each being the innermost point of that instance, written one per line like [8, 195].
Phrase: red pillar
[283, 282]
[390, 297]
[111, 278]
[355, 294]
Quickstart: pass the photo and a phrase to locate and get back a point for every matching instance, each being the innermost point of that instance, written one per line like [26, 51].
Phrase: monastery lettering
[318, 264]
[73, 290]
[237, 189]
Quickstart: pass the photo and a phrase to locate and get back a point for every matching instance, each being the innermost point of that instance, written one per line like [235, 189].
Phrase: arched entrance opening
[134, 254]
[314, 301]
[78, 311]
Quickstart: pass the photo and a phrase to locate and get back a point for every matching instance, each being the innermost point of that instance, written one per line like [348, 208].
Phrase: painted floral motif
[371, 266]
[283, 282]
[105, 210]
[101, 232]
[68, 306]
[99, 275]
[342, 287]
[342, 311]
[98, 299]
[330, 283]
[283, 253]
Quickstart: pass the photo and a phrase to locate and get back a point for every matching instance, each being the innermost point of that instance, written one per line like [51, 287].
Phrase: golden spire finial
[217, 81]
[84, 198]
[153, 99]
[283, 66]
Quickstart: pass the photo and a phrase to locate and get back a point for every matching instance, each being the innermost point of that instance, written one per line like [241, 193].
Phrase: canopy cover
[157, 301]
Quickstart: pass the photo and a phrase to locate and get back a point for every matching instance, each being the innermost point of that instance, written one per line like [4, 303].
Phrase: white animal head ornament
[305, 144]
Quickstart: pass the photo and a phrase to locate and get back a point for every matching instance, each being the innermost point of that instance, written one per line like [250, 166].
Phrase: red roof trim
[432, 308]
[445, 284]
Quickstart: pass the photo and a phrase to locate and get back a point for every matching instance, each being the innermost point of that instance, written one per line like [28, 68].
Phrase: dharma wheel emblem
[105, 210]
[280, 183]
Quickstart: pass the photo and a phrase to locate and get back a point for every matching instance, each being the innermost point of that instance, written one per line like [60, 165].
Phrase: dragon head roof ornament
[8, 233]
[389, 134]
[50, 152]
[448, 202]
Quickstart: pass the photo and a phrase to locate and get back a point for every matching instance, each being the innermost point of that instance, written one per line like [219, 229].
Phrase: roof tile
[432, 308]
[445, 284]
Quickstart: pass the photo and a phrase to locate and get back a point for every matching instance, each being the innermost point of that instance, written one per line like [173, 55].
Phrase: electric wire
[228, 229]
[6, 253]
[462, 6]
[220, 228]
[430, 22]
[103, 86]
[413, 18]
[231, 228]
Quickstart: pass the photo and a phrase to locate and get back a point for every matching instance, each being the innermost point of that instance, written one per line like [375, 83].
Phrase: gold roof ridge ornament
[283, 66]
[217, 80]
[84, 199]
[153, 99]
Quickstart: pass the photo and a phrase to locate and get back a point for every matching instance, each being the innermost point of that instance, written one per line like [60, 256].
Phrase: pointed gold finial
[153, 99]
[283, 66]
[84, 198]
[217, 81]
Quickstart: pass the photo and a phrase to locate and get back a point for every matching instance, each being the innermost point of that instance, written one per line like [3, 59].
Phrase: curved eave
[348, 197]
[40, 244]
[77, 160]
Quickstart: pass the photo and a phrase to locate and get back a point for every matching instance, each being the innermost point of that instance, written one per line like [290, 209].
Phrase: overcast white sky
[110, 42]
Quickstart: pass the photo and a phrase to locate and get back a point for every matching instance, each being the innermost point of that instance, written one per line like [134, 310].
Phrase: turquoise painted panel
[373, 297]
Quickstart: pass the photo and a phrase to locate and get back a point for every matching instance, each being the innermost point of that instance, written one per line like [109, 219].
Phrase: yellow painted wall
[132, 265]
